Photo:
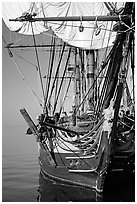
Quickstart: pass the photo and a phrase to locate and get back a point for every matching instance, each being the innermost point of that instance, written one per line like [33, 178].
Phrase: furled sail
[95, 34]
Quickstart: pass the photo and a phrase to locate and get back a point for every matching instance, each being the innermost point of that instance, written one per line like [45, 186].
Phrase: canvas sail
[96, 34]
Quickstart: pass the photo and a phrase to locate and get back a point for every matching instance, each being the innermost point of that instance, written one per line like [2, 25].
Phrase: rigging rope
[103, 66]
[50, 71]
[27, 61]
[107, 77]
[77, 109]
[23, 77]
[39, 69]
[108, 40]
[56, 78]
[132, 50]
[53, 85]
[65, 94]
[61, 83]
[108, 6]
[105, 54]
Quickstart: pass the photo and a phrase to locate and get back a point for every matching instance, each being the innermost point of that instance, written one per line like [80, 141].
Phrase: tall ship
[85, 130]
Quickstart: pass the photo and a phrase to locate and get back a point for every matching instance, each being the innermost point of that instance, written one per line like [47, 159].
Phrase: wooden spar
[58, 77]
[74, 18]
[29, 121]
[32, 46]
[59, 128]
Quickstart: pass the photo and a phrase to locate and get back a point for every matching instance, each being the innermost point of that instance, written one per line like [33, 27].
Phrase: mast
[78, 83]
[90, 76]
[83, 82]
[77, 89]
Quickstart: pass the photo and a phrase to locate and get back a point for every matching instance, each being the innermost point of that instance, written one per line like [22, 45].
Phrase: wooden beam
[32, 46]
[74, 18]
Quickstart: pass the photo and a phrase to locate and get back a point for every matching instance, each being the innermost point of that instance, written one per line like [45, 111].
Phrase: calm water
[22, 180]
[20, 165]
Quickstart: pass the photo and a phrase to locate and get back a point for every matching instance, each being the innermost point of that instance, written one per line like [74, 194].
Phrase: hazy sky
[15, 93]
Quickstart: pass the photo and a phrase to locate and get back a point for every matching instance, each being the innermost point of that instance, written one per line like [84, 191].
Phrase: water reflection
[121, 191]
[51, 191]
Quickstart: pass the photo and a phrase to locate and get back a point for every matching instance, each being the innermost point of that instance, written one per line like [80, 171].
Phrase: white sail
[12, 10]
[66, 30]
